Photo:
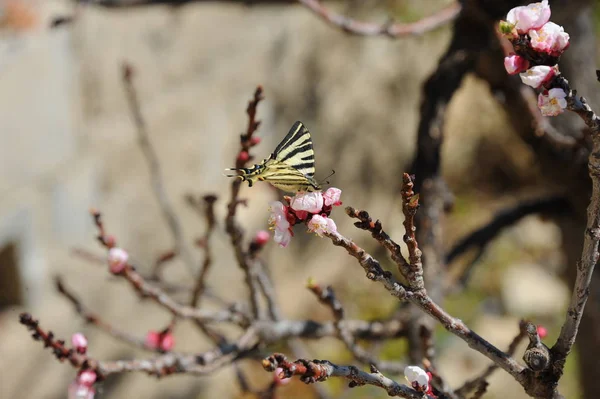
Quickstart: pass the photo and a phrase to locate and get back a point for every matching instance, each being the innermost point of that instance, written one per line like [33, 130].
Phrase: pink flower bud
[110, 240]
[117, 260]
[532, 16]
[255, 140]
[538, 75]
[332, 196]
[310, 202]
[152, 339]
[322, 225]
[417, 377]
[243, 156]
[542, 332]
[167, 342]
[515, 64]
[278, 377]
[79, 343]
[87, 378]
[550, 39]
[552, 102]
[261, 237]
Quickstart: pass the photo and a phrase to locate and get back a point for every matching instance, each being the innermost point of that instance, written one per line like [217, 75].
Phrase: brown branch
[327, 297]
[166, 364]
[390, 29]
[483, 236]
[93, 318]
[235, 231]
[374, 272]
[320, 370]
[480, 381]
[591, 241]
[155, 170]
[209, 214]
[147, 290]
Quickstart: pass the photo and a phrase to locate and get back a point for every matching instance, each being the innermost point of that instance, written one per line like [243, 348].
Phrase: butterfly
[291, 167]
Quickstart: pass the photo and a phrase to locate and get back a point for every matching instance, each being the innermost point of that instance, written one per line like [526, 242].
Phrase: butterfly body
[290, 167]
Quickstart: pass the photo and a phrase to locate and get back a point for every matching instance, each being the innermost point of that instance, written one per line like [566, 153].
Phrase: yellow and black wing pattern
[291, 167]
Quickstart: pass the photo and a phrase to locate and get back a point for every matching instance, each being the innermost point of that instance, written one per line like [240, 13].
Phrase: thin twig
[235, 231]
[390, 29]
[311, 371]
[93, 318]
[155, 170]
[209, 214]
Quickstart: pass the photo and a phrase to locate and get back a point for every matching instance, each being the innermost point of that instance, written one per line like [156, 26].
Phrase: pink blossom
[117, 260]
[168, 341]
[87, 377]
[282, 230]
[552, 102]
[243, 156]
[332, 196]
[515, 64]
[538, 75]
[255, 140]
[310, 202]
[261, 237]
[79, 342]
[550, 38]
[542, 331]
[322, 225]
[532, 16]
[160, 340]
[417, 377]
[80, 391]
[278, 378]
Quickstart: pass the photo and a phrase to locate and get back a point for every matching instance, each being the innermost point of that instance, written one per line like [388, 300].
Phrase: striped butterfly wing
[296, 150]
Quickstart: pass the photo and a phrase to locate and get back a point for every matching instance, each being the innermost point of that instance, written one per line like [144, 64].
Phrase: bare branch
[390, 29]
[320, 370]
[209, 214]
[155, 170]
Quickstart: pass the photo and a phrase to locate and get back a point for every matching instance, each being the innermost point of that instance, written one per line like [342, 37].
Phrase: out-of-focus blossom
[515, 64]
[79, 342]
[417, 377]
[160, 340]
[331, 196]
[278, 379]
[117, 259]
[552, 102]
[542, 331]
[243, 156]
[321, 225]
[80, 391]
[278, 220]
[82, 387]
[532, 16]
[550, 38]
[538, 75]
[311, 202]
[255, 140]
[261, 237]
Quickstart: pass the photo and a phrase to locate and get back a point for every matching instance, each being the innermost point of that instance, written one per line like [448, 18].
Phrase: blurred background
[68, 143]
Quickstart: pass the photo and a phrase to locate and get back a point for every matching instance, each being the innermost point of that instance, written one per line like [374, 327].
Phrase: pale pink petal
[79, 342]
[87, 377]
[515, 64]
[282, 237]
[552, 102]
[332, 196]
[117, 259]
[532, 16]
[417, 377]
[550, 38]
[538, 75]
[311, 202]
[80, 391]
[321, 225]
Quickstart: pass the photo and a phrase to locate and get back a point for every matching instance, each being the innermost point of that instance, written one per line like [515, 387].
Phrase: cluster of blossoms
[541, 43]
[83, 386]
[312, 208]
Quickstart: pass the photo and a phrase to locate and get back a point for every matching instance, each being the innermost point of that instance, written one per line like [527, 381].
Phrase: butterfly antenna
[325, 179]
